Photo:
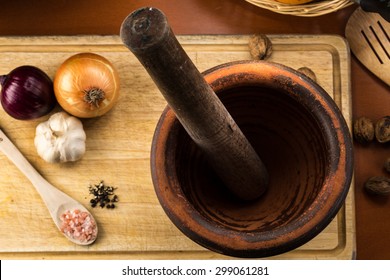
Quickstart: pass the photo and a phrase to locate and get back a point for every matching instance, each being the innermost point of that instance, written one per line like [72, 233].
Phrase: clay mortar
[304, 142]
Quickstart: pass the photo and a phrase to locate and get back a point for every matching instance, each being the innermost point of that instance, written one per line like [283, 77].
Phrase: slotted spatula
[368, 36]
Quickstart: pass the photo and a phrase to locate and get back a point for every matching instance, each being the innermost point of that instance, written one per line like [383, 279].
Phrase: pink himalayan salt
[79, 225]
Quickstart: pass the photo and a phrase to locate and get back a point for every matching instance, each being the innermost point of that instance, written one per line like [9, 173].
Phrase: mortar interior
[289, 140]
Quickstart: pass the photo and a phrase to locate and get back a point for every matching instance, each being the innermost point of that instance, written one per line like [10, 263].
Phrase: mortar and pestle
[250, 159]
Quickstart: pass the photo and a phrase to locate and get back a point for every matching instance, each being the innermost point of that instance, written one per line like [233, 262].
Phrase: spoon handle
[13, 153]
[50, 195]
[56, 201]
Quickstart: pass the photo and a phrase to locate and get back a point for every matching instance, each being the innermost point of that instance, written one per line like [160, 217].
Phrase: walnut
[382, 130]
[363, 130]
[386, 166]
[308, 72]
[378, 185]
[260, 46]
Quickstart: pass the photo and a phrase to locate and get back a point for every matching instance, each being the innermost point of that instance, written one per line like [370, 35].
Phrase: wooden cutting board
[118, 148]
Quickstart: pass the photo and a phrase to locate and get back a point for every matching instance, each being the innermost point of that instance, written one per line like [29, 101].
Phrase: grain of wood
[368, 36]
[118, 151]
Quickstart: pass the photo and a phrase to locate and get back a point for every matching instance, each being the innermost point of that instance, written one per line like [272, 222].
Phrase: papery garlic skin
[60, 139]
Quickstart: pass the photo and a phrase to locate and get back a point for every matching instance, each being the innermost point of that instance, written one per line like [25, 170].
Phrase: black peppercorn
[102, 195]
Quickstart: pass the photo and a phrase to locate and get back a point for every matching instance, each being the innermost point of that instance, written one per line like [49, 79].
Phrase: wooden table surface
[370, 96]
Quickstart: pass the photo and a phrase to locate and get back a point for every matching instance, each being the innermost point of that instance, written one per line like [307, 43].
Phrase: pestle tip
[143, 29]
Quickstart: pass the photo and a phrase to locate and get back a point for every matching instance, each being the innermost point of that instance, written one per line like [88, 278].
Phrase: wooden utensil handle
[13, 154]
[147, 34]
[50, 195]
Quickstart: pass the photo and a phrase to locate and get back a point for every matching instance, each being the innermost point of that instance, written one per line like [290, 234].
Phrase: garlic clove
[72, 150]
[60, 139]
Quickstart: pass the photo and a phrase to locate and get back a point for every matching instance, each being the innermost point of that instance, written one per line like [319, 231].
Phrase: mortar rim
[241, 244]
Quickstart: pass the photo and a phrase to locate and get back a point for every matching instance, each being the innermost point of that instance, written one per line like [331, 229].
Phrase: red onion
[27, 93]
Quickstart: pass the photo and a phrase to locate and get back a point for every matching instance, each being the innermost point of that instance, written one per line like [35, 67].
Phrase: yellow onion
[86, 85]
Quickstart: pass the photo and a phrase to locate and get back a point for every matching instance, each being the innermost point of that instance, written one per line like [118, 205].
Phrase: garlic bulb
[60, 139]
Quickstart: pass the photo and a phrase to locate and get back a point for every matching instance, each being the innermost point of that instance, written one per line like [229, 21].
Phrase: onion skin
[27, 93]
[84, 75]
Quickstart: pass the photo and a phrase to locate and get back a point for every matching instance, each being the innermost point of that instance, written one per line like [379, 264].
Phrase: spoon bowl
[62, 208]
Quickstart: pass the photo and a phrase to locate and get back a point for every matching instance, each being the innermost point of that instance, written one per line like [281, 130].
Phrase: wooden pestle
[149, 37]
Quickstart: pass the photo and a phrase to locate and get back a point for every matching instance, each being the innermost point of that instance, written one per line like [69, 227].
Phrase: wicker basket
[312, 9]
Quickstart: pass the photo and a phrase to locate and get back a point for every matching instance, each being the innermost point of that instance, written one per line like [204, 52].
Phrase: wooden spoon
[368, 36]
[56, 201]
